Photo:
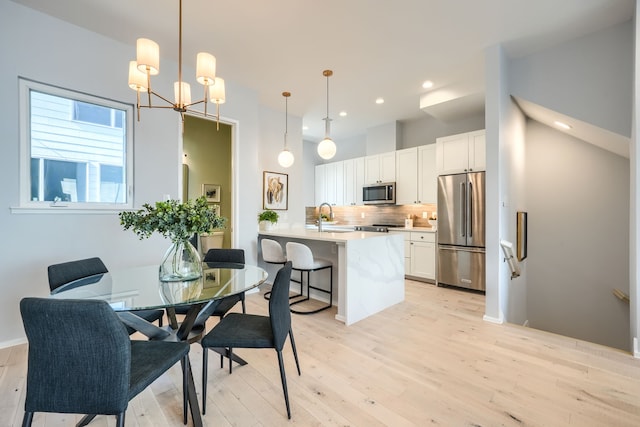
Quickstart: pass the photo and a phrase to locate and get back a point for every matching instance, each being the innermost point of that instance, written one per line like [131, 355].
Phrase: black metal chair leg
[120, 419]
[230, 360]
[284, 383]
[295, 352]
[27, 419]
[205, 369]
[86, 420]
[185, 388]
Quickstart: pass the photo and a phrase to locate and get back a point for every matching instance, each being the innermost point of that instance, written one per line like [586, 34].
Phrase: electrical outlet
[362, 215]
[425, 215]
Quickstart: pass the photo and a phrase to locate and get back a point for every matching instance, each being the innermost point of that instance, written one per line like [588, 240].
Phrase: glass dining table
[139, 288]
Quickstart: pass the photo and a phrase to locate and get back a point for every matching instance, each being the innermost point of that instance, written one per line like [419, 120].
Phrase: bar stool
[303, 261]
[272, 253]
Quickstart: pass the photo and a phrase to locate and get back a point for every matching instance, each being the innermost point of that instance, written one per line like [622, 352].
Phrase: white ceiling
[379, 48]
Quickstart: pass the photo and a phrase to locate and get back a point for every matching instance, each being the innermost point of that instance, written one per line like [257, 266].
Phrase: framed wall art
[275, 191]
[211, 192]
[521, 235]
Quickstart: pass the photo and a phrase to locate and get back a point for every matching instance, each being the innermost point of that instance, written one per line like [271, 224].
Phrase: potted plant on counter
[179, 222]
[267, 219]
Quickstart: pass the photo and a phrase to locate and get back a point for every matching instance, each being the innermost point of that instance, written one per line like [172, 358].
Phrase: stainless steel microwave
[379, 194]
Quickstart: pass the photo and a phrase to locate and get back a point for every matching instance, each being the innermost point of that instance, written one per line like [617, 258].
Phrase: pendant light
[327, 148]
[285, 158]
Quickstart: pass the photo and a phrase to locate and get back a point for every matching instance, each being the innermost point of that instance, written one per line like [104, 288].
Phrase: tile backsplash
[391, 214]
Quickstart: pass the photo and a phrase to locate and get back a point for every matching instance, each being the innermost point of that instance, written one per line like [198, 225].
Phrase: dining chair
[82, 361]
[237, 330]
[66, 272]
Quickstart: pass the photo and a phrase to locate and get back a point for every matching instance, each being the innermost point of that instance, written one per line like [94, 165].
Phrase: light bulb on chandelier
[327, 148]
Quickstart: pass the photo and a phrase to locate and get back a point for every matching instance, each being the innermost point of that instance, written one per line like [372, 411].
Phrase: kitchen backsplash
[352, 215]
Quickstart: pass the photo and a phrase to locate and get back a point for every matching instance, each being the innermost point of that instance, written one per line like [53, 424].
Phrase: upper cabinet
[353, 181]
[464, 152]
[329, 184]
[416, 177]
[380, 168]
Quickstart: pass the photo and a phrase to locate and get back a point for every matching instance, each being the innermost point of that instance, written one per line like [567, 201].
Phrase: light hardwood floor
[430, 360]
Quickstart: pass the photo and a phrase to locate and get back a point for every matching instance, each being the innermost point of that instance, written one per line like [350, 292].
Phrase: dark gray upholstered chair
[81, 360]
[63, 273]
[238, 330]
[223, 258]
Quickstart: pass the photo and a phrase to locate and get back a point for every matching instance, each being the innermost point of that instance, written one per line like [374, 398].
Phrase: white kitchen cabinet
[353, 181]
[416, 176]
[320, 185]
[329, 185]
[464, 152]
[419, 254]
[427, 174]
[380, 168]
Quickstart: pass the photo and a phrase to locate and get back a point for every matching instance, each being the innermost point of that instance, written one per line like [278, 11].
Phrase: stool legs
[309, 287]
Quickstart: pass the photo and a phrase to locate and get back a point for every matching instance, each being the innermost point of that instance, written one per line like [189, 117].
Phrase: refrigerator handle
[463, 209]
[470, 212]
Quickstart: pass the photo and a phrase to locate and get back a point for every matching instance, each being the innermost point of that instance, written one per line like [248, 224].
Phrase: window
[76, 149]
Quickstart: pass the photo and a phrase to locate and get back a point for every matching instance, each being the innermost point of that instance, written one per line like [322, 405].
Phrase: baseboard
[636, 348]
[490, 319]
[12, 343]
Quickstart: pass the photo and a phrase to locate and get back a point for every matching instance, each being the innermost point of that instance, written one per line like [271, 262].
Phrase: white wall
[578, 203]
[634, 237]
[589, 78]
[426, 129]
[31, 242]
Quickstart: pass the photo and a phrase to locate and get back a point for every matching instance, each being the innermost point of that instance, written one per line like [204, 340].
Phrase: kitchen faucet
[320, 214]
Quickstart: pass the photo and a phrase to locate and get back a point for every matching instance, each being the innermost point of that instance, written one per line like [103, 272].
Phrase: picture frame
[211, 192]
[521, 235]
[275, 191]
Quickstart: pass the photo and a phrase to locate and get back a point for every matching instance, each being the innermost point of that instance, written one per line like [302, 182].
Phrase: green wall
[207, 153]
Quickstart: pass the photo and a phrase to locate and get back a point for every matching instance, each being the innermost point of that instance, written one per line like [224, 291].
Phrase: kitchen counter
[368, 267]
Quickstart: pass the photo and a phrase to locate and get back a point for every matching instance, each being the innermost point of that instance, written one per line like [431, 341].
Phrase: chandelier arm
[179, 101]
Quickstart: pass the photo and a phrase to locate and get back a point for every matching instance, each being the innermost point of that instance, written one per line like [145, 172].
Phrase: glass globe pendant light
[327, 148]
[285, 158]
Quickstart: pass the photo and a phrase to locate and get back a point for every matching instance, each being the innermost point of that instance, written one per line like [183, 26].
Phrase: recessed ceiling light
[343, 113]
[428, 84]
[380, 101]
[562, 125]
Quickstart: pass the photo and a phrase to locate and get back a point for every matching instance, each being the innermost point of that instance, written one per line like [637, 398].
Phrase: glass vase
[181, 262]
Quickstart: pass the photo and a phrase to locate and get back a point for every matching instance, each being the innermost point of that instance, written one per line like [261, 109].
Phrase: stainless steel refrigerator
[461, 230]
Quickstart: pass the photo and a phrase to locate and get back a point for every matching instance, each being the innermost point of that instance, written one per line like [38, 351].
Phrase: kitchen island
[368, 267]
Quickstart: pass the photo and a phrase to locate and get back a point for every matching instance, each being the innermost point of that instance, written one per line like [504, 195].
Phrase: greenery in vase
[173, 219]
[268, 215]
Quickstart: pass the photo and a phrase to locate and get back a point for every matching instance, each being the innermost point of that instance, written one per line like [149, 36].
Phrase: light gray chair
[303, 261]
[272, 253]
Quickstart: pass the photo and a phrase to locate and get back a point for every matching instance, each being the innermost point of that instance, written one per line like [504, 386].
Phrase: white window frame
[26, 204]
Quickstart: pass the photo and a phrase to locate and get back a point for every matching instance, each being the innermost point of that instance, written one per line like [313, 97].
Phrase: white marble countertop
[327, 236]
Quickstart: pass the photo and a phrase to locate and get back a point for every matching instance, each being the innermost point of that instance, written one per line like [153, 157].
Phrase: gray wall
[578, 204]
[425, 130]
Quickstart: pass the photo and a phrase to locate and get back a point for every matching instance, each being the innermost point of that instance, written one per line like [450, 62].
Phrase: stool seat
[272, 253]
[302, 260]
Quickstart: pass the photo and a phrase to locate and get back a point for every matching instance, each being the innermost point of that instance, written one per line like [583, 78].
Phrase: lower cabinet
[420, 254]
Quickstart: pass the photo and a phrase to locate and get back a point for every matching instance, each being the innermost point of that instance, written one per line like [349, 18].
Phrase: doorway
[207, 164]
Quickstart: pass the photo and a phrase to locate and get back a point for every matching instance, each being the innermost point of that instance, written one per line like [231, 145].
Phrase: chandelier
[147, 64]
[327, 148]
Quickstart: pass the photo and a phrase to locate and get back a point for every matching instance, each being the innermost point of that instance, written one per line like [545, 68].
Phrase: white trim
[13, 343]
[636, 347]
[491, 319]
[25, 86]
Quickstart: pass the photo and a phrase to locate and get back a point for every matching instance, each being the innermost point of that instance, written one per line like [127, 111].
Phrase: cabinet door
[427, 174]
[320, 184]
[339, 174]
[452, 154]
[372, 169]
[349, 182]
[423, 259]
[330, 183]
[388, 167]
[359, 179]
[407, 176]
[477, 151]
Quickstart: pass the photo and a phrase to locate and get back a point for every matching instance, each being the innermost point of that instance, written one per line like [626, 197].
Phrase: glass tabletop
[139, 288]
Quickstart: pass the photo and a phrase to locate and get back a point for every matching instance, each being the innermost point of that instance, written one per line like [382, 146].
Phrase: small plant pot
[266, 225]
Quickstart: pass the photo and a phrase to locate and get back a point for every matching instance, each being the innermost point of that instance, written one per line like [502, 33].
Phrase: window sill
[65, 210]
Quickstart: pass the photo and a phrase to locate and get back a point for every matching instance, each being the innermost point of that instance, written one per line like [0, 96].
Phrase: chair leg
[86, 420]
[120, 419]
[244, 307]
[205, 368]
[185, 388]
[230, 360]
[27, 419]
[295, 352]
[284, 383]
